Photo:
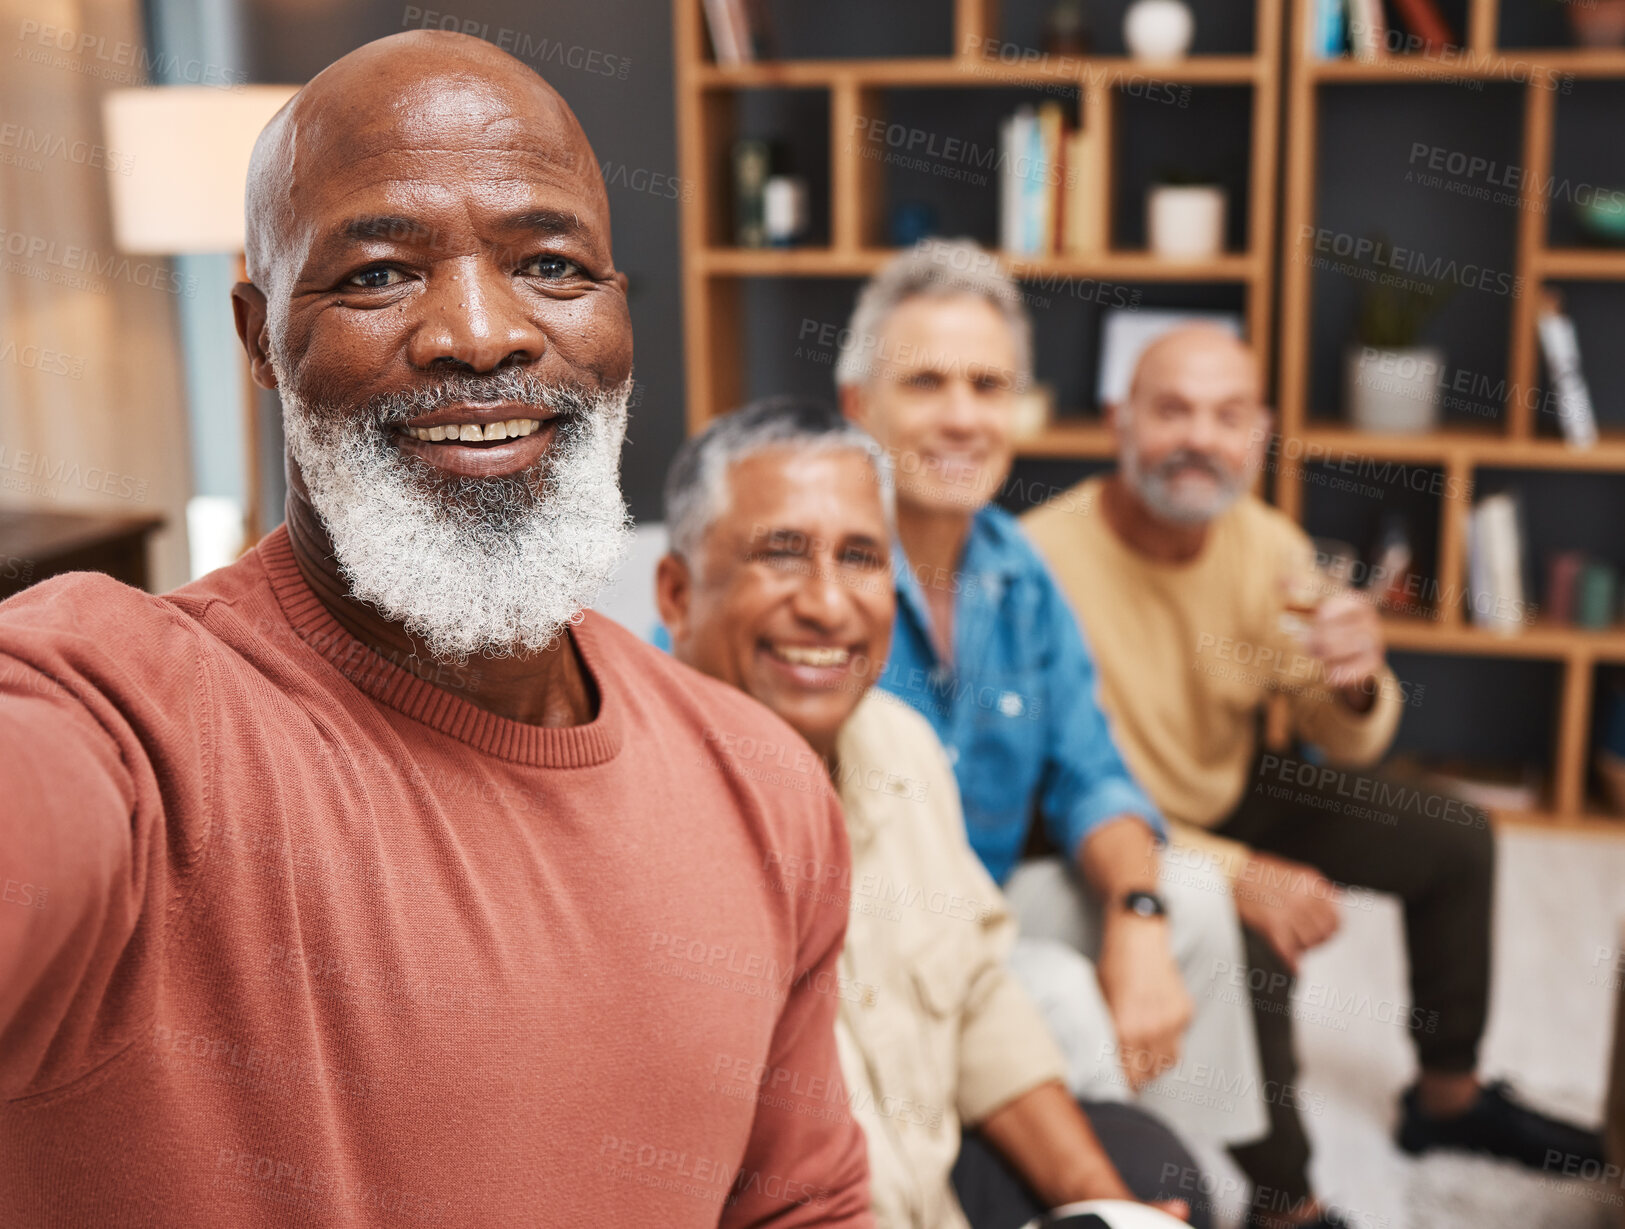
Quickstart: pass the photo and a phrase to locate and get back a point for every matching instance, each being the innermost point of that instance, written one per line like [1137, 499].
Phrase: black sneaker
[1498, 1125]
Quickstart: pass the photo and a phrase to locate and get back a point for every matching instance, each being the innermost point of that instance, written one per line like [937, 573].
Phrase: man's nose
[473, 316]
[1202, 434]
[962, 413]
[822, 599]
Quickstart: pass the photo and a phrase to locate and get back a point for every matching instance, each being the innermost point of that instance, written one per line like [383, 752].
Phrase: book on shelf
[1561, 348]
[730, 31]
[1050, 175]
[1368, 29]
[1424, 20]
[1012, 140]
[1052, 184]
[1495, 562]
[1562, 587]
[1085, 175]
[1326, 31]
[1023, 193]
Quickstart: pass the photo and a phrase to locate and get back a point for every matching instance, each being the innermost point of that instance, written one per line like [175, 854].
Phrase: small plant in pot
[1392, 381]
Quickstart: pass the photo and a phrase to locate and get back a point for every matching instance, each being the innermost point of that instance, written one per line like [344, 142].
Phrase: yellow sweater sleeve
[1229, 856]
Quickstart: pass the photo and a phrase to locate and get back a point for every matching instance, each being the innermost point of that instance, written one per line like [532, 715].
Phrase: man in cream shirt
[779, 582]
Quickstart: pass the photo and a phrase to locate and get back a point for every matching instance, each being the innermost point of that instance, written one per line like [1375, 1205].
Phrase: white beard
[489, 566]
[1159, 493]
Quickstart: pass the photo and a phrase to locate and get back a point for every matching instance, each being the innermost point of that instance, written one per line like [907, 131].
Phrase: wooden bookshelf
[1460, 452]
[713, 274]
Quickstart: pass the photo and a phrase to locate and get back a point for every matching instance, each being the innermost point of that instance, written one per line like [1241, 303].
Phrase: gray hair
[696, 483]
[937, 268]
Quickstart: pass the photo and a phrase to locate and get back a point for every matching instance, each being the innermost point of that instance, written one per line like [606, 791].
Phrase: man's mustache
[1186, 459]
[510, 384]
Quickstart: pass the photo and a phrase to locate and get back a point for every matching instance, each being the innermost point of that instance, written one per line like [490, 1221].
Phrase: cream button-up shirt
[946, 1036]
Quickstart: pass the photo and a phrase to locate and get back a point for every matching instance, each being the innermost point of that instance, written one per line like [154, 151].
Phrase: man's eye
[553, 268]
[779, 557]
[376, 277]
[868, 560]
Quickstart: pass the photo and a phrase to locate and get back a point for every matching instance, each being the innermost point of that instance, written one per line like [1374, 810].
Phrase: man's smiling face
[454, 232]
[443, 319]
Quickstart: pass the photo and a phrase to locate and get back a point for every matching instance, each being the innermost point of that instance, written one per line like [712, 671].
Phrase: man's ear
[674, 588]
[1258, 446]
[853, 406]
[248, 310]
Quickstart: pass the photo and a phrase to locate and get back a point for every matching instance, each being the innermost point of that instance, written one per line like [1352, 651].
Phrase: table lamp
[186, 150]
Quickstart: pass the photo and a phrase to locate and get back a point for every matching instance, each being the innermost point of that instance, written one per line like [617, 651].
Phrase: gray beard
[1157, 491]
[489, 566]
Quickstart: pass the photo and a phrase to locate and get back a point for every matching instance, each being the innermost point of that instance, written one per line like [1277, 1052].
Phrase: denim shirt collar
[986, 570]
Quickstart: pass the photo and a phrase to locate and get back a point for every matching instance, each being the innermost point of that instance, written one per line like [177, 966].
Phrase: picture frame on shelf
[1126, 332]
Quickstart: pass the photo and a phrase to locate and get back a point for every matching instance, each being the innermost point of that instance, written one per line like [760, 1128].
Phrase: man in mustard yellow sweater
[1200, 602]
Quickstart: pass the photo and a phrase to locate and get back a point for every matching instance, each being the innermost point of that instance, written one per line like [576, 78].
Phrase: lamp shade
[186, 149]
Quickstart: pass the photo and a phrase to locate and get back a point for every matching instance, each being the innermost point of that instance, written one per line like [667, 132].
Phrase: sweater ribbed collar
[538, 746]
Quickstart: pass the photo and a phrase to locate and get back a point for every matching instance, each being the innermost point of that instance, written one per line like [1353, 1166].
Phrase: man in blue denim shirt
[1023, 718]
[987, 649]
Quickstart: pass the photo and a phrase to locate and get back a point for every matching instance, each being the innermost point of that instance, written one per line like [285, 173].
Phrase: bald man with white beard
[371, 878]
[1182, 580]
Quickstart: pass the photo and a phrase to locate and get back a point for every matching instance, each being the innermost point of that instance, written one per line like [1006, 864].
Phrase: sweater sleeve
[805, 1168]
[65, 861]
[1348, 737]
[1228, 855]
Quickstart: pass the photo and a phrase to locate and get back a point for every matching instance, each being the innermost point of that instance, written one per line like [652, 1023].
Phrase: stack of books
[1053, 181]
[1359, 28]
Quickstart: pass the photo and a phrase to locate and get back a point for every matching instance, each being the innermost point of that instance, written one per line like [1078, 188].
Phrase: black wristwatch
[1145, 904]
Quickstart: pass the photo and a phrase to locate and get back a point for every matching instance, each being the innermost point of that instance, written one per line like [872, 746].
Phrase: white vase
[1393, 391]
[1185, 222]
[1158, 29]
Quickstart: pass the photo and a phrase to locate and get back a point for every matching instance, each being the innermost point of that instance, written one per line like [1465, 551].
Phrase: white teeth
[512, 429]
[807, 655]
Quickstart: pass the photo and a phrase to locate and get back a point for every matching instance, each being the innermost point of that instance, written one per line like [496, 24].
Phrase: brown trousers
[1434, 852]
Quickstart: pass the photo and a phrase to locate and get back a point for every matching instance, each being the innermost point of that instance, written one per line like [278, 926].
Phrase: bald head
[410, 91]
[1207, 352]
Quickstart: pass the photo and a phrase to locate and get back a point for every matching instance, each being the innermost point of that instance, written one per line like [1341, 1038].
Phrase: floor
[1561, 899]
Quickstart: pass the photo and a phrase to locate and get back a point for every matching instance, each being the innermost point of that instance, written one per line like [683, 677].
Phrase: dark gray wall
[628, 114]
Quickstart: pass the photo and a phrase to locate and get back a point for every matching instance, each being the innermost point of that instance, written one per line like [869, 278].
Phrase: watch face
[1144, 903]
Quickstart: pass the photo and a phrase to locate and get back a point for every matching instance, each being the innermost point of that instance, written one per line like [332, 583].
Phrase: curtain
[92, 396]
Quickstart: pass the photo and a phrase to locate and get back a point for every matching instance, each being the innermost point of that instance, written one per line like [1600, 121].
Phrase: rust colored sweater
[292, 936]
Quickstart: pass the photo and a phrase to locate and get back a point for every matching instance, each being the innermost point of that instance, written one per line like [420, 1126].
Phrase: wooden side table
[37, 545]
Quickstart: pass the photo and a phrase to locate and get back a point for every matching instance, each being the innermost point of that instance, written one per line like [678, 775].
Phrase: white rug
[1560, 898]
